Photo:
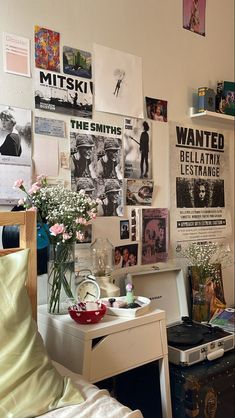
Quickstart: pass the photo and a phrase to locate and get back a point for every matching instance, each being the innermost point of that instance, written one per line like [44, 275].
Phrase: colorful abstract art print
[76, 62]
[47, 49]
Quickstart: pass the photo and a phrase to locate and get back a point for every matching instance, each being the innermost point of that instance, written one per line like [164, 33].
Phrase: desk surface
[108, 325]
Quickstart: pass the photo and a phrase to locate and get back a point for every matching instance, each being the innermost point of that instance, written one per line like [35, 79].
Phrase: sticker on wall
[156, 109]
[61, 94]
[194, 16]
[76, 62]
[118, 82]
[16, 54]
[47, 49]
[137, 148]
[15, 135]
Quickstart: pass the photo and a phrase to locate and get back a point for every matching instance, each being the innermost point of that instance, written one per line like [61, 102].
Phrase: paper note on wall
[46, 156]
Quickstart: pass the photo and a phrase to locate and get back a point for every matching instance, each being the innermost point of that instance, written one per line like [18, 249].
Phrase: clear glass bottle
[200, 306]
[102, 256]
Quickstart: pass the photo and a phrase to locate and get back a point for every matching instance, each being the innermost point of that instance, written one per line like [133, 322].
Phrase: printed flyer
[154, 235]
[199, 164]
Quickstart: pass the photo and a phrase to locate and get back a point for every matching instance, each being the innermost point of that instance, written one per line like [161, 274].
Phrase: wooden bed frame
[27, 239]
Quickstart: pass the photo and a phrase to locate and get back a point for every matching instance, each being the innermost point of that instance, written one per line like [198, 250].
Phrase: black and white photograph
[199, 193]
[10, 195]
[61, 94]
[118, 82]
[124, 229]
[126, 256]
[139, 192]
[15, 135]
[137, 148]
[200, 190]
[96, 164]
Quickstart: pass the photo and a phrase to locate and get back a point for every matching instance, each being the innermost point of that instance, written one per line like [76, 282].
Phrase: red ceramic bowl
[87, 317]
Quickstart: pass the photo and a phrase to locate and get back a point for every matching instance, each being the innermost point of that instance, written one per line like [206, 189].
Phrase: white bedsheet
[98, 403]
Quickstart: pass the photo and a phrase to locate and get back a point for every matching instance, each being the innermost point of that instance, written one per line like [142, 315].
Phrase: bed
[30, 383]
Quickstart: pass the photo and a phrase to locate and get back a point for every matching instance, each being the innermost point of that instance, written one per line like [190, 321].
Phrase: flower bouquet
[63, 215]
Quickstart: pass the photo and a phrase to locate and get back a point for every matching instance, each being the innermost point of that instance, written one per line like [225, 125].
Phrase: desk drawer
[124, 350]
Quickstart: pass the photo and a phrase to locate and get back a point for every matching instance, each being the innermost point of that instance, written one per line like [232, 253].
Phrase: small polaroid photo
[124, 230]
[156, 109]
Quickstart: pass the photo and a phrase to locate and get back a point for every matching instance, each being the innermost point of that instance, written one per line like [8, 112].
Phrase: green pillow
[29, 384]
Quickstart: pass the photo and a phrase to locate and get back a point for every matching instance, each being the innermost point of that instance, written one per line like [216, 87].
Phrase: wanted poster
[63, 94]
[137, 148]
[96, 163]
[199, 164]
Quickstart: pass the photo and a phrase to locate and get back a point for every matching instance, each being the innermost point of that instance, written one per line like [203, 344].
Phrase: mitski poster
[199, 164]
[63, 94]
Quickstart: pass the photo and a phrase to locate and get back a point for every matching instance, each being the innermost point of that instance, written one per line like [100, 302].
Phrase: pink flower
[79, 235]
[66, 236]
[34, 188]
[32, 209]
[82, 221]
[18, 183]
[21, 202]
[57, 229]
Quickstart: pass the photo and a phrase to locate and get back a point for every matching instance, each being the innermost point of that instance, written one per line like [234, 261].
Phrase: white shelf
[220, 117]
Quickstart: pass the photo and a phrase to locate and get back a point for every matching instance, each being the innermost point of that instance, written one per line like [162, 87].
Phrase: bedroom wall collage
[158, 62]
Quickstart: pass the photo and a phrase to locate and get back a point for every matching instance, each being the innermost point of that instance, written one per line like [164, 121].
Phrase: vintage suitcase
[204, 390]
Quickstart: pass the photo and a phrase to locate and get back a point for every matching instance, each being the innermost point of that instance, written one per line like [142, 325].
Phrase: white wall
[175, 63]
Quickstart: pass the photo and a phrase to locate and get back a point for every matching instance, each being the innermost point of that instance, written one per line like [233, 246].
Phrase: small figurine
[129, 293]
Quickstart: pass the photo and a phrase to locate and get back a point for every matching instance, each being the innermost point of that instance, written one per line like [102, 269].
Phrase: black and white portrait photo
[15, 135]
[199, 193]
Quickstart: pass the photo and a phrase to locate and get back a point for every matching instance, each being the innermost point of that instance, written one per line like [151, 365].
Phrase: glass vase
[200, 305]
[61, 277]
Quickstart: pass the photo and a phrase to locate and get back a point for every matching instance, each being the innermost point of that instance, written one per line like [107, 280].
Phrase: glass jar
[102, 256]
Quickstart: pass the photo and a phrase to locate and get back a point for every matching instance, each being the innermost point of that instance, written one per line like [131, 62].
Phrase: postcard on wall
[16, 55]
[9, 195]
[76, 62]
[125, 256]
[137, 148]
[15, 135]
[61, 94]
[50, 127]
[139, 192]
[194, 12]
[154, 235]
[156, 109]
[200, 188]
[96, 163]
[47, 49]
[118, 82]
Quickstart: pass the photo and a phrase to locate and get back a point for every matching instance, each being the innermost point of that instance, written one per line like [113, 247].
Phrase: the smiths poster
[96, 163]
[63, 94]
[199, 164]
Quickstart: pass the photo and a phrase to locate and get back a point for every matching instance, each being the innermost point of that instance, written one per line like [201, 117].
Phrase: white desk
[114, 345]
